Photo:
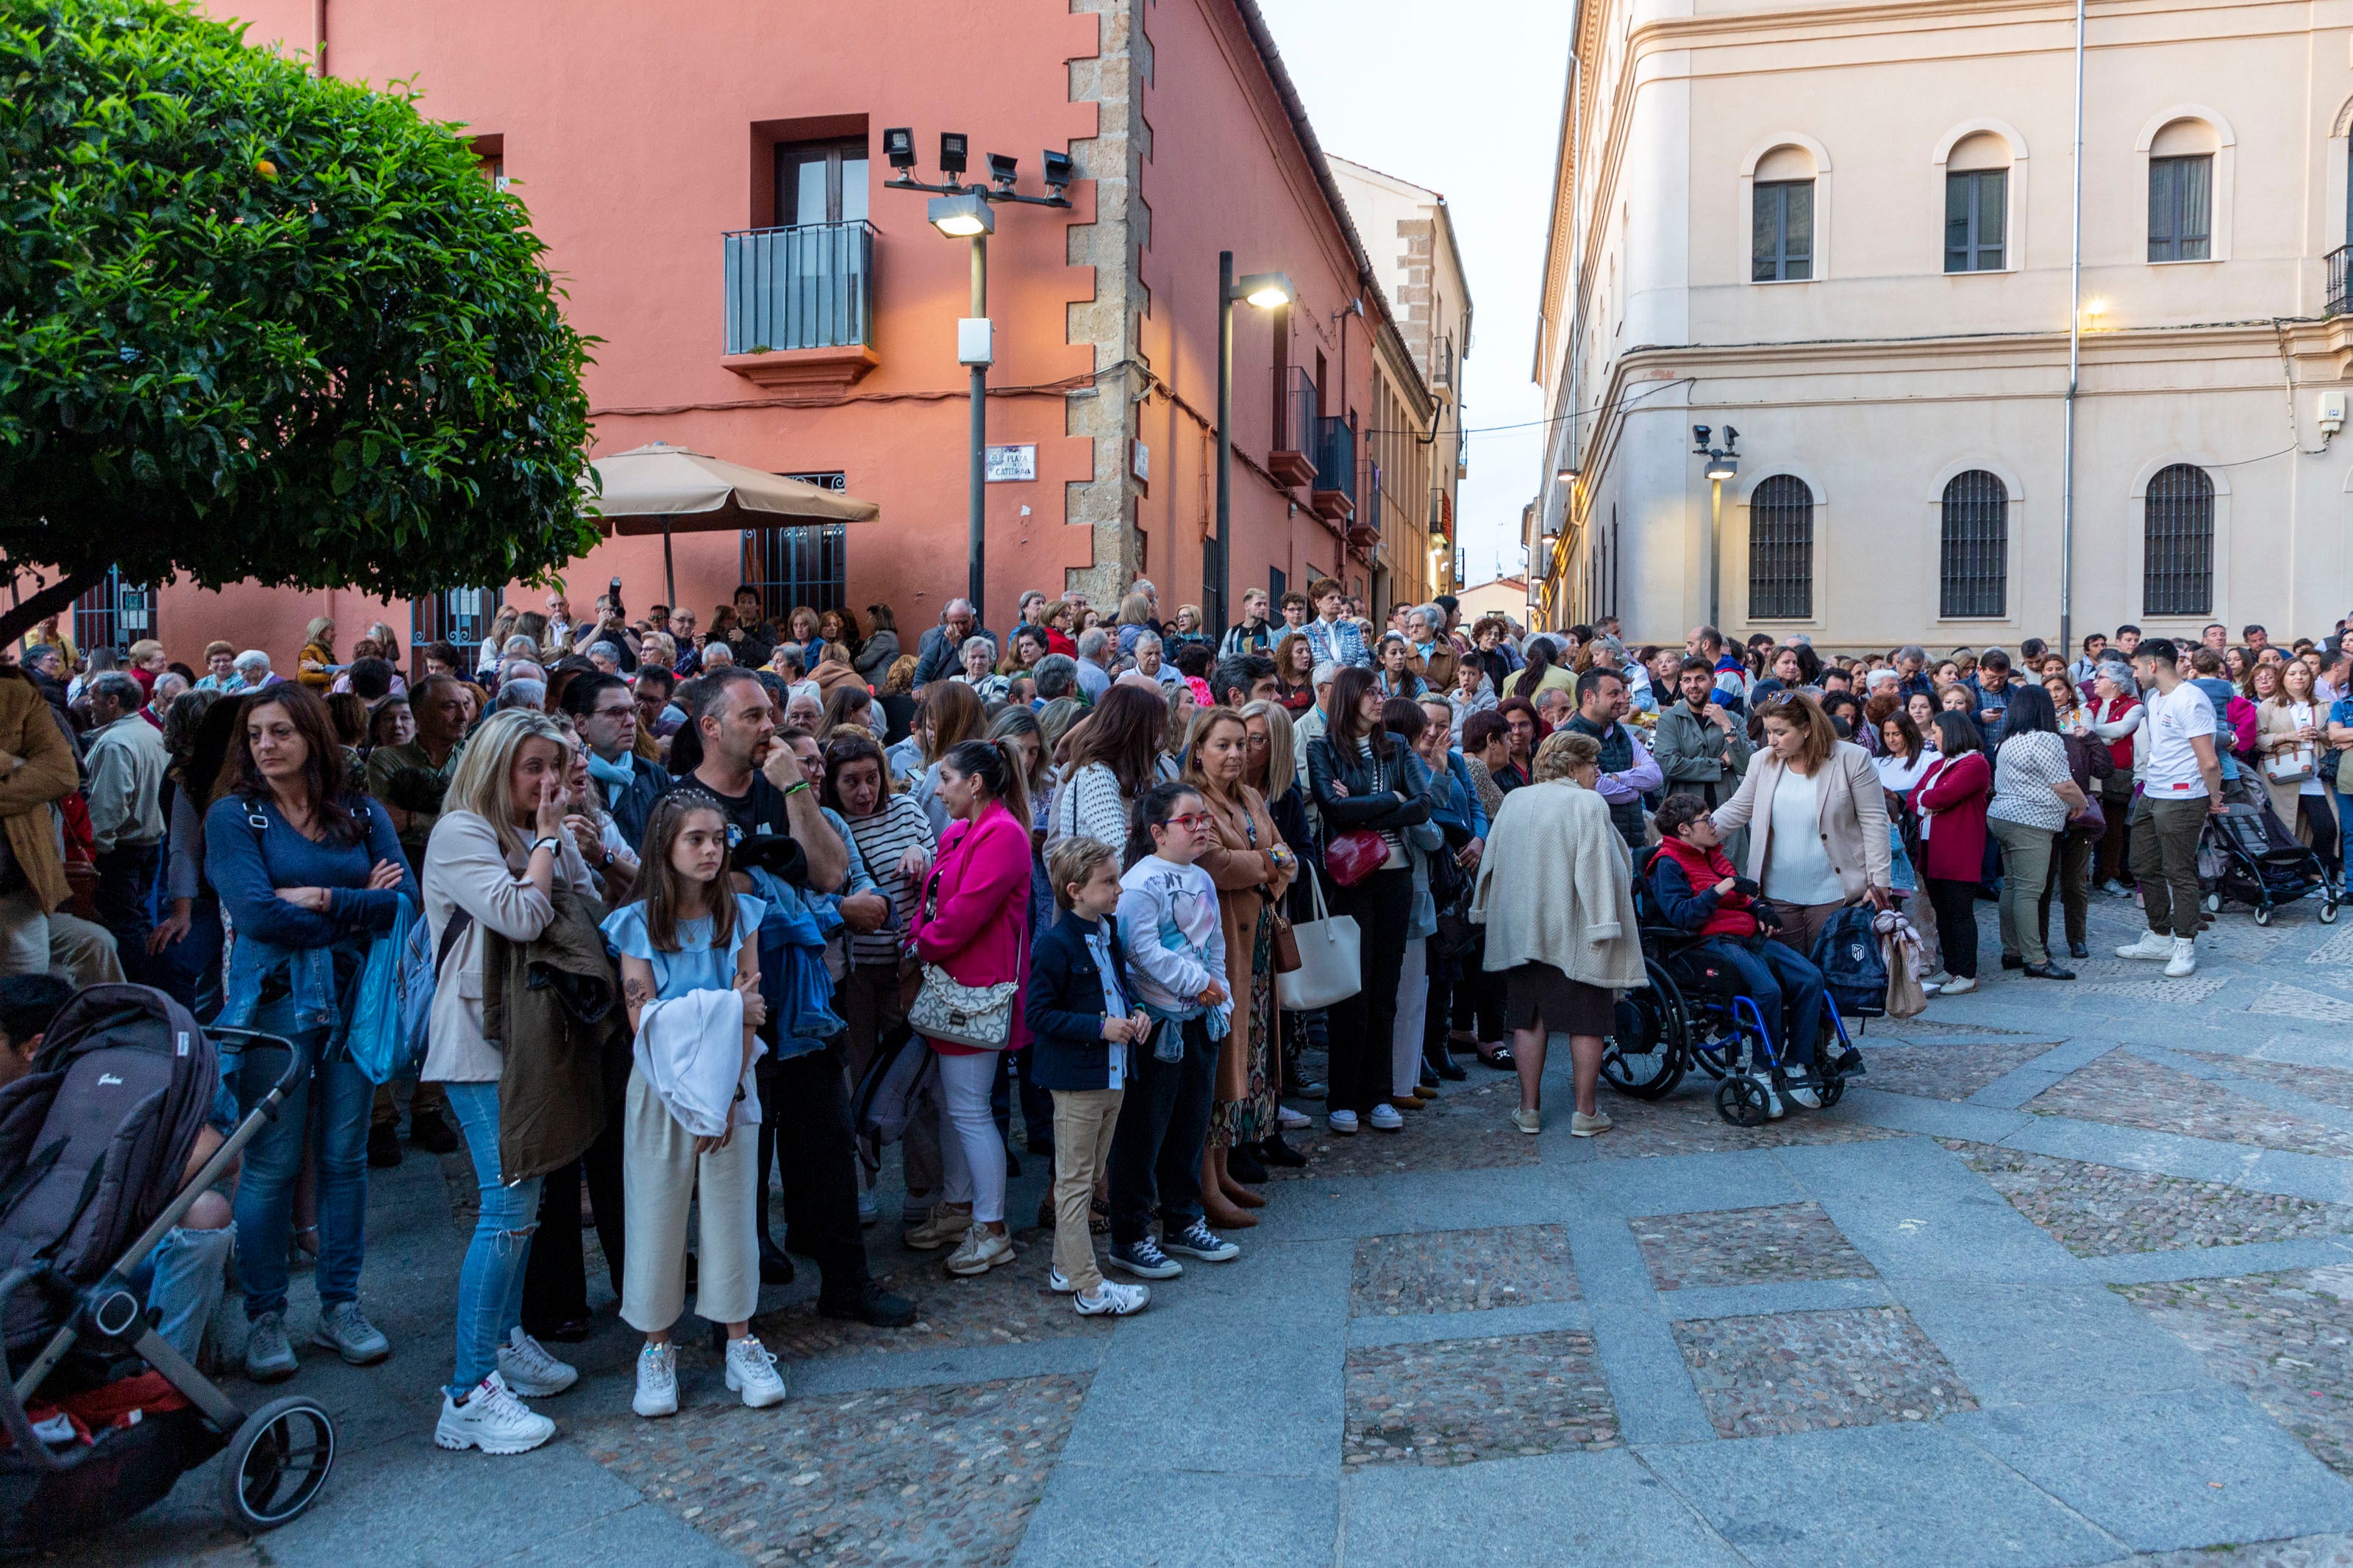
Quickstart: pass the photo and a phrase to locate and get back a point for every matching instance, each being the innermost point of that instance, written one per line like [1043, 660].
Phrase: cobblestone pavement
[2066, 1279]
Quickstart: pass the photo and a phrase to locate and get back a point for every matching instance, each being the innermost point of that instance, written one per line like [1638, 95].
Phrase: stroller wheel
[2214, 903]
[276, 1464]
[2262, 914]
[1740, 1099]
[2328, 913]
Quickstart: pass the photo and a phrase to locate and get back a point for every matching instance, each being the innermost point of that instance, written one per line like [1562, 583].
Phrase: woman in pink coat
[972, 922]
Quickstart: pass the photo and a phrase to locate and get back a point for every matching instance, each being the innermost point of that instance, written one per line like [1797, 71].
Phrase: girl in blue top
[691, 973]
[307, 873]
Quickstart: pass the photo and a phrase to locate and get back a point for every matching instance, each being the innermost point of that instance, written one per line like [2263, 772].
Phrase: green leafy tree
[259, 324]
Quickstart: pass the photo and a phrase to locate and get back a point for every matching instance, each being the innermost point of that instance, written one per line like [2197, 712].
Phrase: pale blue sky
[1464, 99]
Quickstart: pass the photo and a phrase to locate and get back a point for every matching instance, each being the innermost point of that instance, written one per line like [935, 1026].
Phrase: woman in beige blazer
[2291, 737]
[1817, 819]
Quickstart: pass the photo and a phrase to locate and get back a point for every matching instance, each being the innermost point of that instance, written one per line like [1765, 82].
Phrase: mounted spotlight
[1731, 440]
[1699, 438]
[898, 146]
[1059, 170]
[1003, 170]
[1722, 466]
[955, 146]
[1267, 291]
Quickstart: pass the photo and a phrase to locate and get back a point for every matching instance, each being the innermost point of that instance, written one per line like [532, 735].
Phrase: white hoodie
[690, 1051]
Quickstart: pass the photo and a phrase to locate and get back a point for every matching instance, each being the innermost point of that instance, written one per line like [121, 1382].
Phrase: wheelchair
[1696, 1014]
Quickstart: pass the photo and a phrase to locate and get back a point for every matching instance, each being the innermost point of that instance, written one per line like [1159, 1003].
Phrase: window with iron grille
[461, 617]
[1976, 214]
[1974, 558]
[2182, 208]
[2177, 555]
[799, 564]
[1781, 550]
[1781, 238]
[114, 615]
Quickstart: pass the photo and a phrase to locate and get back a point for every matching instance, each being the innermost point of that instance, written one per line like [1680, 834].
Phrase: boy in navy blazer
[1083, 1024]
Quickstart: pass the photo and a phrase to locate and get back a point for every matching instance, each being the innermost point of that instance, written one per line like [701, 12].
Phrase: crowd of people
[841, 897]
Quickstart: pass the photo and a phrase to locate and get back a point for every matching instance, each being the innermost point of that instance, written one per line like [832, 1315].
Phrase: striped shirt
[882, 838]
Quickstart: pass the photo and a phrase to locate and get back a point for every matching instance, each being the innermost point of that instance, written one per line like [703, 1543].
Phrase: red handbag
[1352, 856]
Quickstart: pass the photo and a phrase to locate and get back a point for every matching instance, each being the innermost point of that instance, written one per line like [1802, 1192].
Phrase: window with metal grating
[1781, 550]
[1974, 562]
[799, 564]
[2177, 554]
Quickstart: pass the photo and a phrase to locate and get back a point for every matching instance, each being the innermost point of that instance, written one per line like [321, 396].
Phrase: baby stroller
[2250, 857]
[94, 1142]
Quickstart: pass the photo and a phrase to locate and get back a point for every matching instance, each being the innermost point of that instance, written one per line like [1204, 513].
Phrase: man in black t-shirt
[775, 823]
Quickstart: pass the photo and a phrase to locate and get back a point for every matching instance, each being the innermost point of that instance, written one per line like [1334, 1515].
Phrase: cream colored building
[1408, 231]
[1845, 229]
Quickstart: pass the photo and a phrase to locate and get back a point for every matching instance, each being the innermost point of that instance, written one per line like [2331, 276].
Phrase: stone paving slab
[1799, 1372]
[2303, 1552]
[2096, 1210]
[1748, 1246]
[1006, 1306]
[1793, 1296]
[1095, 1515]
[2332, 1085]
[1604, 1510]
[1461, 1271]
[894, 1475]
[1469, 1129]
[1456, 1400]
[2130, 1091]
[1947, 1071]
[1685, 1122]
[2287, 1340]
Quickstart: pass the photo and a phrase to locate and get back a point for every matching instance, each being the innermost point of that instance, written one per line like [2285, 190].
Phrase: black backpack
[1853, 970]
[95, 1139]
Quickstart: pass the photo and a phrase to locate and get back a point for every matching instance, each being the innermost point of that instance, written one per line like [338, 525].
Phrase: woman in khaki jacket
[1253, 868]
[1817, 819]
[2290, 741]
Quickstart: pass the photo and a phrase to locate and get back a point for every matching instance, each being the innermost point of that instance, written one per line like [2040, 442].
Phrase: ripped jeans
[489, 1285]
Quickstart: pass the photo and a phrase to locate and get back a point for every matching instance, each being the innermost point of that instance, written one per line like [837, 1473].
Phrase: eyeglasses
[1190, 821]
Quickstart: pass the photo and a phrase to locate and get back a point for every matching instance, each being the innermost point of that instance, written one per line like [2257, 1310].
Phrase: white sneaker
[2150, 945]
[983, 1249]
[1057, 1283]
[2185, 958]
[1117, 1300]
[1291, 1121]
[1774, 1108]
[530, 1372]
[1387, 1119]
[656, 1381]
[752, 1372]
[1958, 985]
[1803, 1095]
[1343, 1122]
[492, 1419]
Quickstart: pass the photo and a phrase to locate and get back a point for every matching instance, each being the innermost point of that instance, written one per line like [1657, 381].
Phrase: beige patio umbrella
[656, 487]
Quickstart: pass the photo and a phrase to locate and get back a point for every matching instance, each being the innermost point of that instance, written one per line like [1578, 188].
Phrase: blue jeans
[2344, 805]
[1786, 989]
[489, 1285]
[273, 1164]
[184, 1278]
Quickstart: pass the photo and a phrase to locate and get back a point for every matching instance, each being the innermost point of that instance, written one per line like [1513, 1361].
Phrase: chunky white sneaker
[1958, 985]
[1119, 1300]
[1774, 1110]
[983, 1251]
[752, 1372]
[946, 1223]
[530, 1372]
[1386, 1118]
[492, 1419]
[1803, 1093]
[1057, 1283]
[1291, 1121]
[2150, 945]
[2185, 958]
[344, 1330]
[1343, 1122]
[656, 1381]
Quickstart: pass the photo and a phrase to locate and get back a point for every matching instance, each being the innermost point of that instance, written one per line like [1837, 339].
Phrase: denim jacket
[250, 852]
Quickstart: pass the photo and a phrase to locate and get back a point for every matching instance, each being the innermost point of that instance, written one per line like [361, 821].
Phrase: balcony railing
[1335, 457]
[1294, 395]
[1442, 369]
[1440, 520]
[809, 287]
[2337, 301]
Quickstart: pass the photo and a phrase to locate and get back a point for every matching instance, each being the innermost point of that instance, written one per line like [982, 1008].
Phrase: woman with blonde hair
[801, 626]
[1252, 867]
[1817, 817]
[1061, 621]
[1135, 620]
[315, 668]
[1564, 943]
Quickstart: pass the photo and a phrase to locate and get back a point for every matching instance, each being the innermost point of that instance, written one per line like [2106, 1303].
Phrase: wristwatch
[554, 845]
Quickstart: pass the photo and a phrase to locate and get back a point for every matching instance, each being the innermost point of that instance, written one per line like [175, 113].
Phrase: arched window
[1781, 550]
[2178, 557]
[1974, 560]
[2181, 193]
[1781, 217]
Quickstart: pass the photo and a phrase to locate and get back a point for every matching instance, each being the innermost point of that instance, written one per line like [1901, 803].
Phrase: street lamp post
[1268, 292]
[1723, 463]
[963, 211]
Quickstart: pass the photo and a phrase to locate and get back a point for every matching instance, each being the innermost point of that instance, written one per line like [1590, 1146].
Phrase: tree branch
[55, 599]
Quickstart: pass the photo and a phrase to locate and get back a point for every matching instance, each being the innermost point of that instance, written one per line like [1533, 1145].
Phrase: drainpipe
[2074, 370]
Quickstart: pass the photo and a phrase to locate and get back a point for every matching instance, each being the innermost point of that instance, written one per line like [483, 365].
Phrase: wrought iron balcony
[1293, 459]
[1335, 495]
[2337, 301]
[793, 290]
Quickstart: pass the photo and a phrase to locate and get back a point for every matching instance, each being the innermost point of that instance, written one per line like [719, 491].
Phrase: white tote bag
[1328, 971]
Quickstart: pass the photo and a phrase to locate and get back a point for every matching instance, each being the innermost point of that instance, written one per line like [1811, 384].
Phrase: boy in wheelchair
[1696, 891]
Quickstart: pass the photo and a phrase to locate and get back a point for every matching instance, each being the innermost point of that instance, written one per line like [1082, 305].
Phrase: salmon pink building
[710, 179]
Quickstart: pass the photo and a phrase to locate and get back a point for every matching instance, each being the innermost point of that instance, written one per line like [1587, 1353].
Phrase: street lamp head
[954, 145]
[898, 146]
[1699, 438]
[1564, 475]
[961, 218]
[1721, 468]
[1059, 170]
[1003, 170]
[1267, 291]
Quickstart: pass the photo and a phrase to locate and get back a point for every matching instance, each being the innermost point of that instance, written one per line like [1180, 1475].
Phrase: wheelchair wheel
[1740, 1099]
[2214, 903]
[1645, 1054]
[1833, 1089]
[2328, 912]
[276, 1464]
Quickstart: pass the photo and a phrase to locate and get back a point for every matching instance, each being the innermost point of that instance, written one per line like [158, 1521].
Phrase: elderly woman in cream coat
[1560, 922]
